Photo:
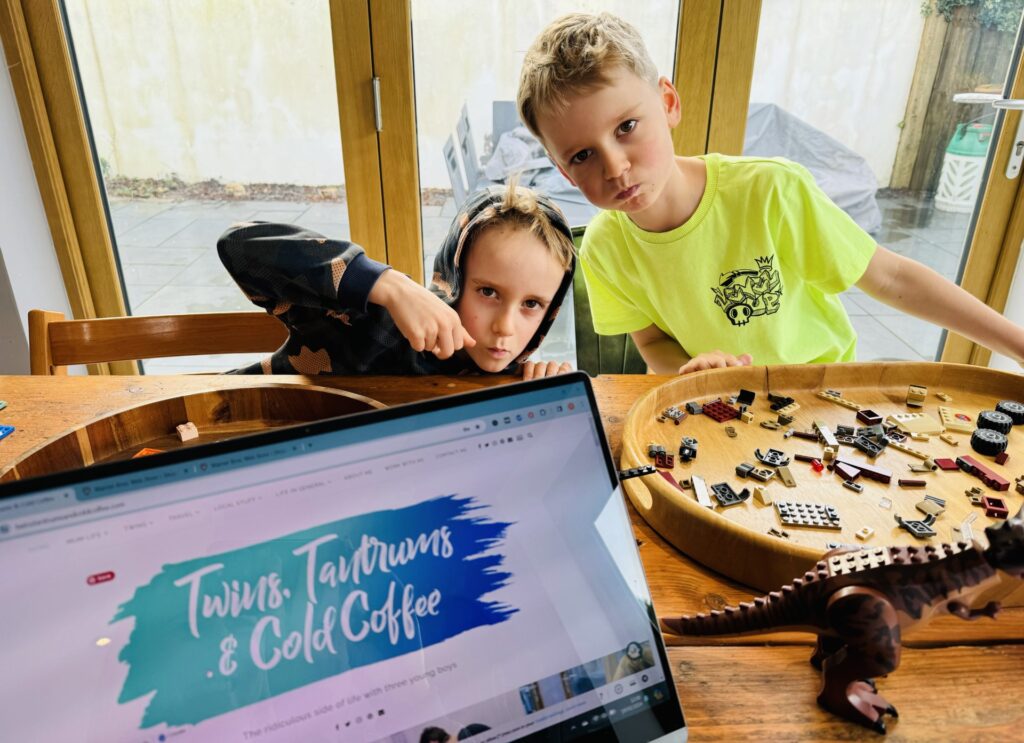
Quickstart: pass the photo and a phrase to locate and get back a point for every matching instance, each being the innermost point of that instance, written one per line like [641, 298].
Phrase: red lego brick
[947, 465]
[719, 411]
[995, 508]
[1001, 457]
[974, 467]
[664, 461]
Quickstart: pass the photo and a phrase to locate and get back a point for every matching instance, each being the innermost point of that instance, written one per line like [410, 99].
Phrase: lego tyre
[218, 415]
[735, 541]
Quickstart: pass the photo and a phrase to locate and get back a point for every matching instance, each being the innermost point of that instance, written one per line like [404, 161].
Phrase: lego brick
[915, 423]
[947, 465]
[6, 431]
[810, 515]
[770, 425]
[833, 396]
[921, 529]
[187, 431]
[972, 466]
[664, 461]
[772, 457]
[870, 471]
[644, 469]
[956, 420]
[730, 432]
[744, 469]
[905, 482]
[673, 414]
[746, 416]
[931, 506]
[869, 417]
[865, 533]
[847, 472]
[949, 439]
[784, 420]
[762, 473]
[786, 476]
[916, 396]
[1001, 457]
[761, 496]
[726, 496]
[746, 397]
[944, 397]
[788, 410]
[804, 457]
[825, 433]
[1019, 482]
[700, 492]
[806, 435]
[900, 446]
[854, 486]
[719, 411]
[995, 508]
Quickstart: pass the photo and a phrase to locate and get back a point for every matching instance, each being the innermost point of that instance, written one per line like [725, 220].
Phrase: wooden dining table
[957, 680]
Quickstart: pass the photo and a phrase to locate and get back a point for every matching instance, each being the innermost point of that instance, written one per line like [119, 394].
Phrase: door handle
[1016, 159]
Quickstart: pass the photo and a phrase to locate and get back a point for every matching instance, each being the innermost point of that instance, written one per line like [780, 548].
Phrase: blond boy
[696, 254]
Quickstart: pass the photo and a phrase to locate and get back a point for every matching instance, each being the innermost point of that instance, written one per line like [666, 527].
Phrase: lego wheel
[1013, 409]
[988, 442]
[995, 420]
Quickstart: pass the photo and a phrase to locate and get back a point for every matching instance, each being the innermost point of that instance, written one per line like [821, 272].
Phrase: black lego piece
[922, 529]
[868, 446]
[744, 469]
[772, 457]
[994, 420]
[640, 471]
[779, 401]
[746, 397]
[694, 408]
[1013, 409]
[688, 448]
[726, 496]
[988, 442]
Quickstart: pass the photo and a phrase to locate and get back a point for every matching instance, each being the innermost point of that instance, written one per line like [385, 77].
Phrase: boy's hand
[538, 369]
[425, 321]
[714, 360]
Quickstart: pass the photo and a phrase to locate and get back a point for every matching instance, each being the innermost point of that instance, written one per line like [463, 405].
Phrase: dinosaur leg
[870, 631]
[826, 646]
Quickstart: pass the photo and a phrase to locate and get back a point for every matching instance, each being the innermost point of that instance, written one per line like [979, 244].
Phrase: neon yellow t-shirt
[756, 269]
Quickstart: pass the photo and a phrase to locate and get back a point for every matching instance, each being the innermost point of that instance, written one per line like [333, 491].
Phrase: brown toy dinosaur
[857, 601]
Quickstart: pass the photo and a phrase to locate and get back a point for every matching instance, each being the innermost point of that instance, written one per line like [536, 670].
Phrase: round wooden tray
[735, 540]
[218, 415]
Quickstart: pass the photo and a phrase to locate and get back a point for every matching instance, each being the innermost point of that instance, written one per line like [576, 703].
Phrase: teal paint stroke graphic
[224, 631]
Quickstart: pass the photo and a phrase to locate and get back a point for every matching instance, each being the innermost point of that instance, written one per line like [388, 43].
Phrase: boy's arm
[280, 265]
[664, 355]
[918, 290]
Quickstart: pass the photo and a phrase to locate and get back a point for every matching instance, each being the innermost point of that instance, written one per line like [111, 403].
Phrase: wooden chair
[56, 342]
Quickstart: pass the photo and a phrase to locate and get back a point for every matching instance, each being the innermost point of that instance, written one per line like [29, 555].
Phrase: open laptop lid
[461, 567]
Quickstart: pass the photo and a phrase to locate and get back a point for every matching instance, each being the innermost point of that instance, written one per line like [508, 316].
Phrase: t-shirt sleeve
[610, 307]
[816, 238]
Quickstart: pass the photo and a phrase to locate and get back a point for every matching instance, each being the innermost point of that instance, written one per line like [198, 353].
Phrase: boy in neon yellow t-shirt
[697, 254]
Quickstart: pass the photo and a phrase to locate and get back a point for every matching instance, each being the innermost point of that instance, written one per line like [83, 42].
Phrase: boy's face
[510, 279]
[615, 145]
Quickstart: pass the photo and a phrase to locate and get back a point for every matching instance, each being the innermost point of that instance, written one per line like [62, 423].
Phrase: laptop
[456, 569]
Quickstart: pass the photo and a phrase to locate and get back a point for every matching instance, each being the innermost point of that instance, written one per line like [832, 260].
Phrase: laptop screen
[459, 569]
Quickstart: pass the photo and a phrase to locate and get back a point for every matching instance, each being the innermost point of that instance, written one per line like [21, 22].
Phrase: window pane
[861, 92]
[465, 104]
[204, 114]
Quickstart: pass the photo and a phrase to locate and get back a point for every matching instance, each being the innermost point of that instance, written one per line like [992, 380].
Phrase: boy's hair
[574, 54]
[522, 209]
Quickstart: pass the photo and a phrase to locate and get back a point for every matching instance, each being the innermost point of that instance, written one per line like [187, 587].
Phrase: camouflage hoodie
[318, 288]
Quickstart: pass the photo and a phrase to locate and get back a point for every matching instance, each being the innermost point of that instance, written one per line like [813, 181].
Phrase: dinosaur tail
[794, 605]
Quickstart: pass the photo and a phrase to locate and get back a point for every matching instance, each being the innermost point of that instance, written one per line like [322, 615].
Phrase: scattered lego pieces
[916, 396]
[995, 508]
[885, 503]
[854, 486]
[777, 402]
[868, 445]
[673, 414]
[664, 461]
[688, 448]
[770, 425]
[828, 454]
[838, 399]
[1002, 457]
[949, 439]
[786, 476]
[1011, 408]
[746, 397]
[974, 495]
[825, 434]
[947, 465]
[772, 457]
[817, 465]
[988, 441]
[187, 431]
[700, 491]
[869, 417]
[644, 469]
[921, 529]
[900, 446]
[870, 471]
[744, 469]
[694, 408]
[931, 506]
[906, 482]
[671, 480]
[780, 533]
[915, 423]
[654, 450]
[994, 420]
[5, 431]
[146, 451]
[1020, 484]
[761, 496]
[762, 473]
[845, 471]
[719, 411]
[806, 435]
[804, 457]
[788, 434]
[920, 437]
[788, 410]
[746, 416]
[730, 432]
[784, 420]
[955, 420]
[865, 533]
[944, 397]
[811, 515]
[972, 466]
[726, 496]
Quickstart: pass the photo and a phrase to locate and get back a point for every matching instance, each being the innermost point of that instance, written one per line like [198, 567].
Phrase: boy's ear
[670, 100]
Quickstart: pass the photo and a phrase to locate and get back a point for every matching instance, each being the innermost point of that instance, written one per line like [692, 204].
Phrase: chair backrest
[56, 342]
[599, 354]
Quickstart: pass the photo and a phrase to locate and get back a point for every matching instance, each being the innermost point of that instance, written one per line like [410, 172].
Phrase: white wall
[29, 273]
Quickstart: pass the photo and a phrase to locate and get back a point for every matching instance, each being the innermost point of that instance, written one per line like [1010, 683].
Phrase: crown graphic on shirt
[764, 263]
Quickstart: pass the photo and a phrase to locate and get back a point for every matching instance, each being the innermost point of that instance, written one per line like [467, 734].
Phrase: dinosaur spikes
[760, 601]
[774, 596]
[823, 574]
[809, 576]
[798, 582]
[787, 589]
[746, 606]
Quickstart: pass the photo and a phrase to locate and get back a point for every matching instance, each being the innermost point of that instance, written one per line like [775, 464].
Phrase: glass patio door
[869, 96]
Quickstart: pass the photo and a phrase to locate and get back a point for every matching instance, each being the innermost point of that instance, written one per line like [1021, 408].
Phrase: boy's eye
[627, 126]
[532, 304]
[579, 157]
[487, 291]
